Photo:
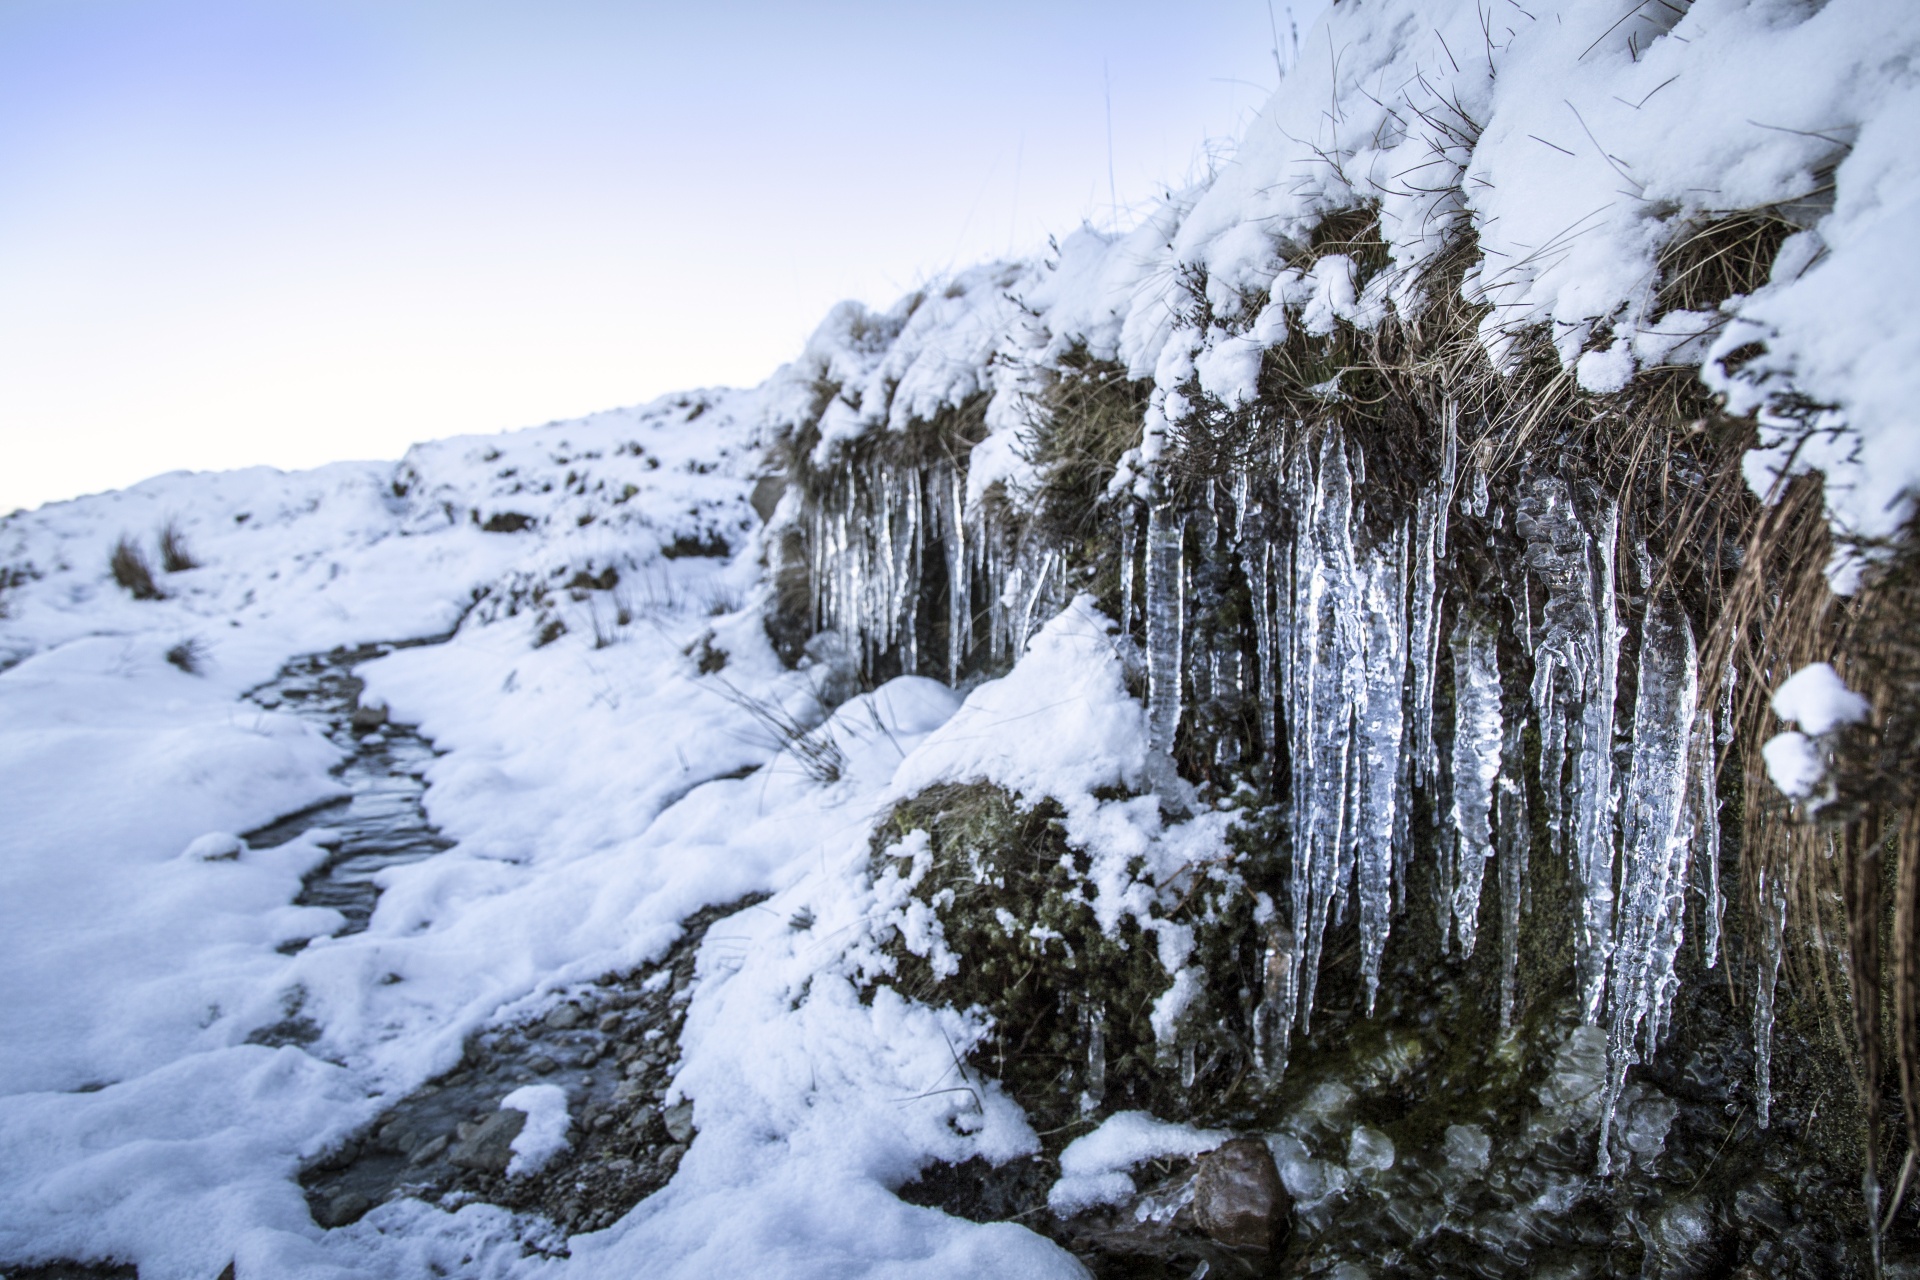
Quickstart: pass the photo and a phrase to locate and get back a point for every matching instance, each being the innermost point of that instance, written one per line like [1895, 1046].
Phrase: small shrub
[189, 655]
[174, 556]
[131, 570]
[507, 522]
[552, 629]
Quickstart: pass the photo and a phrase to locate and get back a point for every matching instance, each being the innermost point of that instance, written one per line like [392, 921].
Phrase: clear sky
[293, 231]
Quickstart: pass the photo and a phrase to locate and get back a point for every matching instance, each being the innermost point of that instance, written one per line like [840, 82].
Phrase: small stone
[602, 1122]
[430, 1150]
[1238, 1199]
[679, 1122]
[670, 1156]
[367, 719]
[610, 1022]
[344, 1208]
[564, 1017]
[490, 1147]
[541, 1065]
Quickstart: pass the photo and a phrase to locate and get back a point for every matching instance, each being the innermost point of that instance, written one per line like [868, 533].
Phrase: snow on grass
[1818, 700]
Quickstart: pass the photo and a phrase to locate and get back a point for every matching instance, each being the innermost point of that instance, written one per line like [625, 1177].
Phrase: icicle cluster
[1349, 613]
[1354, 634]
[877, 537]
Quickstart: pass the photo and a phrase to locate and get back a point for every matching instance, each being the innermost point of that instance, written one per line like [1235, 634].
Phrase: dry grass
[130, 569]
[174, 555]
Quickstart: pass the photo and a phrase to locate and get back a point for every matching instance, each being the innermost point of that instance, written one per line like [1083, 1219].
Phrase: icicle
[1329, 654]
[1705, 803]
[1097, 1055]
[1430, 548]
[1773, 929]
[959, 580]
[1512, 836]
[1655, 847]
[1575, 682]
[1165, 606]
[1382, 725]
[1129, 537]
[1273, 1016]
[1189, 1063]
[1477, 743]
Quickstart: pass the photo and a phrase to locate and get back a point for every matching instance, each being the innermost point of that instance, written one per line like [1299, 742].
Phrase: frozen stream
[382, 823]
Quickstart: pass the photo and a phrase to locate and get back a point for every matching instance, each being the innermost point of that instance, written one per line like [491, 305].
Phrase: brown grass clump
[174, 555]
[130, 569]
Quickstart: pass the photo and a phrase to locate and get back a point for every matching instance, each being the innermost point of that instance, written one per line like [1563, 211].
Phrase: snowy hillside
[1292, 662]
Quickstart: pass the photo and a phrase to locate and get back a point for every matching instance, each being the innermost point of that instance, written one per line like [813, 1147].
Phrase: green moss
[1012, 898]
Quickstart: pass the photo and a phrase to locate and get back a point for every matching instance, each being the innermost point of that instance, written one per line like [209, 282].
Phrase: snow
[544, 1135]
[1818, 700]
[1794, 763]
[1093, 1167]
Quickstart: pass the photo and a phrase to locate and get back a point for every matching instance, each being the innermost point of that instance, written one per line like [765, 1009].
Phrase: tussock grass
[130, 569]
[174, 555]
[189, 655]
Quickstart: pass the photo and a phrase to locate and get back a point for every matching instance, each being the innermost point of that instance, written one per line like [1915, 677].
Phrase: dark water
[382, 823]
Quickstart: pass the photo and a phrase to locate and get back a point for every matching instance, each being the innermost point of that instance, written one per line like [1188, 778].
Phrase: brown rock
[1238, 1199]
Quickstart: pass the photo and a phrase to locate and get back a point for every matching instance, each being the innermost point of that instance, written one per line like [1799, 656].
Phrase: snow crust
[1093, 1168]
[544, 1135]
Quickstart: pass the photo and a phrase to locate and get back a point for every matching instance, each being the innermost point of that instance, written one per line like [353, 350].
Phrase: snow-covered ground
[601, 786]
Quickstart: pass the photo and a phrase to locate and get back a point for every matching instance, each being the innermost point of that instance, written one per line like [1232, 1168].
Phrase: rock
[1237, 1196]
[367, 719]
[541, 1065]
[564, 1017]
[490, 1147]
[344, 1208]
[767, 492]
[429, 1151]
[679, 1122]
[610, 1022]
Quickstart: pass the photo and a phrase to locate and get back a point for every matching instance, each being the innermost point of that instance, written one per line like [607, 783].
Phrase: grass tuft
[130, 569]
[174, 555]
[189, 655]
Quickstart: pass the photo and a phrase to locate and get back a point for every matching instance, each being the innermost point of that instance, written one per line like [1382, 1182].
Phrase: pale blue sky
[290, 231]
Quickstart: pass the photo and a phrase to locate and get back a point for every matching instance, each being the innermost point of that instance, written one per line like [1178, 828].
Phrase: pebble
[345, 1208]
[1238, 1198]
[564, 1017]
[489, 1148]
[430, 1151]
[679, 1122]
[540, 1064]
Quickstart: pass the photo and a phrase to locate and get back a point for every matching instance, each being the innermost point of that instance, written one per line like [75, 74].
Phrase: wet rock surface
[1237, 1197]
[610, 1046]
